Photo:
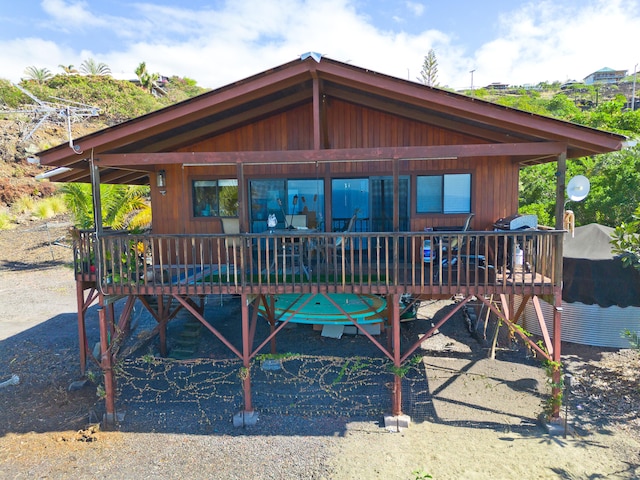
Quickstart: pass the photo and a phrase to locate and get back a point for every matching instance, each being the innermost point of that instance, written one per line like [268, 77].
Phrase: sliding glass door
[372, 198]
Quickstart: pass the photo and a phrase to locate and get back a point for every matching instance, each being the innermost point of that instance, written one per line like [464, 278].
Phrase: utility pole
[471, 72]
[633, 94]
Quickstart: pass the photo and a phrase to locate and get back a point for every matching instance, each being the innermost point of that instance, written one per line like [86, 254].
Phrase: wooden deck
[469, 263]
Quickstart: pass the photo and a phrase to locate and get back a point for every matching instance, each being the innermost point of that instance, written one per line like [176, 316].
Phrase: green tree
[626, 241]
[429, 72]
[612, 199]
[91, 67]
[40, 75]
[123, 206]
[147, 80]
[561, 106]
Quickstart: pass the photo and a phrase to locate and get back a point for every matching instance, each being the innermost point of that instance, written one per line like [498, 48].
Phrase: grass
[6, 221]
[49, 207]
[24, 204]
[44, 208]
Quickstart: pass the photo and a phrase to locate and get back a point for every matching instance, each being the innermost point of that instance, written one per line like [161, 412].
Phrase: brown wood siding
[493, 190]
[173, 212]
[494, 180]
[288, 130]
[351, 125]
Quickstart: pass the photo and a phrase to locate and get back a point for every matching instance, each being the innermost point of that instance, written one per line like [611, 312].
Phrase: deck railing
[430, 263]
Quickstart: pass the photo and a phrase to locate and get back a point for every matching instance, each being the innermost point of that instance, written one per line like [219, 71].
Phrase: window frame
[445, 209]
[214, 206]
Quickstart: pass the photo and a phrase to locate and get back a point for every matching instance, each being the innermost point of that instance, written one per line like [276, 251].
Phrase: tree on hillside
[91, 67]
[614, 194]
[429, 72]
[147, 80]
[40, 75]
[69, 69]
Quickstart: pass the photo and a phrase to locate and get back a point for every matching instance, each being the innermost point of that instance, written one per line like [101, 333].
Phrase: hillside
[116, 101]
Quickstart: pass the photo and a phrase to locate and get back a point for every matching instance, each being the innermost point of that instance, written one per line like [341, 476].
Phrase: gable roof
[299, 82]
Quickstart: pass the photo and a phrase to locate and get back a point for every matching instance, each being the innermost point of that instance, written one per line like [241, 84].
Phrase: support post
[561, 174]
[106, 363]
[556, 391]
[396, 421]
[557, 329]
[247, 416]
[162, 326]
[82, 330]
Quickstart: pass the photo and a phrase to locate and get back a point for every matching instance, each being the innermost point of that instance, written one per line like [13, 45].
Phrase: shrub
[50, 207]
[24, 204]
[6, 221]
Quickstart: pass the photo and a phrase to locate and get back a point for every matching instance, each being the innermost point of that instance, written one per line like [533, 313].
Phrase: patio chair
[455, 242]
[299, 221]
[333, 248]
[231, 244]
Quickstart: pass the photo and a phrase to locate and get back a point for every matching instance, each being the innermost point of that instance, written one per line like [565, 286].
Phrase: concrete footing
[245, 419]
[396, 423]
[556, 426]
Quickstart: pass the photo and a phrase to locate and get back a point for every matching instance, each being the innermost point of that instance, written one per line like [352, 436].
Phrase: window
[450, 193]
[215, 198]
[291, 201]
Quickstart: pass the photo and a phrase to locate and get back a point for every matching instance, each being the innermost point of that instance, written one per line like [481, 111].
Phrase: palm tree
[40, 75]
[68, 69]
[91, 67]
[123, 206]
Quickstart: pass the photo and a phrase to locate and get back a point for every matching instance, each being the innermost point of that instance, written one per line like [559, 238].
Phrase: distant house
[570, 84]
[605, 75]
[497, 86]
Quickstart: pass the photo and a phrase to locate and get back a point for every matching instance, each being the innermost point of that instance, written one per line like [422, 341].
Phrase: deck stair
[188, 340]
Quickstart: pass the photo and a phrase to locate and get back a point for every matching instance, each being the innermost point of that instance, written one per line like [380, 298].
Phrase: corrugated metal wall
[586, 324]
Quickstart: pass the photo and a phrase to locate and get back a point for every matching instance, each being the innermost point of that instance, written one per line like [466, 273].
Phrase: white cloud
[415, 8]
[548, 41]
[71, 15]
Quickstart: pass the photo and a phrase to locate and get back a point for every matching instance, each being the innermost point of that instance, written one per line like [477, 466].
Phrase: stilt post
[106, 364]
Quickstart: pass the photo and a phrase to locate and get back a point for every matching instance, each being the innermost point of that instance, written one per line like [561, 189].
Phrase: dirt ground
[473, 418]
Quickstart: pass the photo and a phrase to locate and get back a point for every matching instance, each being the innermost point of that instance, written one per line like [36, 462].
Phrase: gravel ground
[320, 417]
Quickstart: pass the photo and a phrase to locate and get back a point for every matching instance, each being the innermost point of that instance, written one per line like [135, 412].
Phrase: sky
[219, 42]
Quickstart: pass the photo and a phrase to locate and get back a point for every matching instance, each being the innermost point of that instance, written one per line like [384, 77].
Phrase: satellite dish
[578, 188]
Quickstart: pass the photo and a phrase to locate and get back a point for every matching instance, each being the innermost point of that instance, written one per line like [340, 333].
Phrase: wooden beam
[435, 152]
[561, 173]
[316, 110]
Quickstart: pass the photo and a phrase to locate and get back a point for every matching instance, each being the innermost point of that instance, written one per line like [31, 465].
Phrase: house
[605, 75]
[318, 177]
[497, 86]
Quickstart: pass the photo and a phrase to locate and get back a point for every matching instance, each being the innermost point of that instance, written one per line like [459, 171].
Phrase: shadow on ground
[321, 384]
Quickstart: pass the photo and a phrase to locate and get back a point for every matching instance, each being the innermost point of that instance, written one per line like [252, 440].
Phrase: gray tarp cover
[591, 273]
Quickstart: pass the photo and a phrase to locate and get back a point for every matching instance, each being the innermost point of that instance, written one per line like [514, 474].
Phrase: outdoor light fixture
[161, 181]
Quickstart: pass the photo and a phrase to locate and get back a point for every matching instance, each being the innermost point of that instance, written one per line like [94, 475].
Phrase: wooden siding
[355, 126]
[494, 180]
[288, 130]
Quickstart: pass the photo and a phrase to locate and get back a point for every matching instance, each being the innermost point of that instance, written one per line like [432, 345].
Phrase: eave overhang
[290, 85]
